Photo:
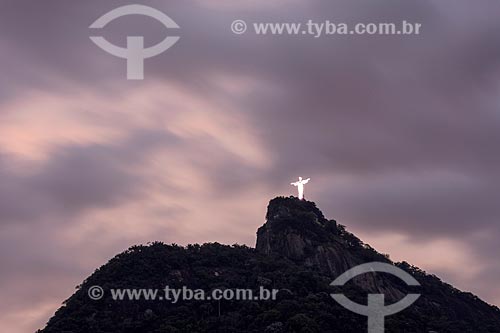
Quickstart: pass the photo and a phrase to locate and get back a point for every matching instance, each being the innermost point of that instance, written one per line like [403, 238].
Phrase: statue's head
[300, 178]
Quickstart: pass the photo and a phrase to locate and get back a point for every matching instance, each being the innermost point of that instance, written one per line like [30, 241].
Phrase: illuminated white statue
[300, 186]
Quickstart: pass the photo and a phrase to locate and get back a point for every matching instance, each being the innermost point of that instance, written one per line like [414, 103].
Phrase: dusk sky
[400, 135]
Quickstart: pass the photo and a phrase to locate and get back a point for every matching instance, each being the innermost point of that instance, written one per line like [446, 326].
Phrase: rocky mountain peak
[293, 226]
[298, 230]
[299, 252]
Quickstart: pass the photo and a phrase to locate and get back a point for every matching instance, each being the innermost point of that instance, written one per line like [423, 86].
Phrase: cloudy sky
[399, 134]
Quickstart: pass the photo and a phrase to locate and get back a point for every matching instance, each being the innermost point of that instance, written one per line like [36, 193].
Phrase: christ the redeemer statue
[300, 186]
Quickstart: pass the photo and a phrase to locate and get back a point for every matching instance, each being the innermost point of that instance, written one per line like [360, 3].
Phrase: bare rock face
[297, 229]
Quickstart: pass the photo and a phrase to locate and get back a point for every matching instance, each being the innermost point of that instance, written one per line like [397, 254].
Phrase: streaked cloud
[399, 135]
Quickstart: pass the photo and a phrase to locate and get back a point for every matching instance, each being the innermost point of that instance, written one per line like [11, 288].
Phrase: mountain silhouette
[298, 253]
